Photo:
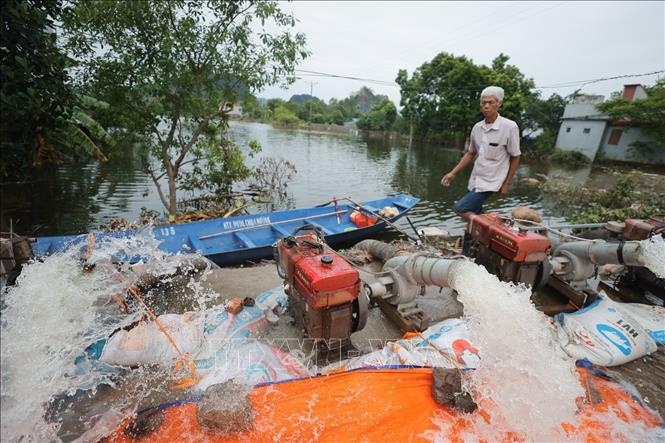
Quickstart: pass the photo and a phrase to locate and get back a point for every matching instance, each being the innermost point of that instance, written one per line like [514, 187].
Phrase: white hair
[493, 91]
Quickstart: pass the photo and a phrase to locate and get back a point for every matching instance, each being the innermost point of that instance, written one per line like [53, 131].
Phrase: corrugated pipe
[377, 249]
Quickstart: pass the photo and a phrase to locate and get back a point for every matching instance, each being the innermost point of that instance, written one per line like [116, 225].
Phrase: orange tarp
[370, 405]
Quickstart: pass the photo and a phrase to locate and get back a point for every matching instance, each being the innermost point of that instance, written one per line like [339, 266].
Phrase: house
[587, 130]
[231, 108]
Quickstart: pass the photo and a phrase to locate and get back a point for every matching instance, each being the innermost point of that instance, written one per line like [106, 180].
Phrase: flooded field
[78, 198]
[71, 371]
[79, 357]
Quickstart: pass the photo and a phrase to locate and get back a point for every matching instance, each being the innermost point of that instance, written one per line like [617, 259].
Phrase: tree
[443, 96]
[650, 112]
[36, 99]
[379, 118]
[285, 116]
[543, 114]
[518, 89]
[169, 68]
[336, 117]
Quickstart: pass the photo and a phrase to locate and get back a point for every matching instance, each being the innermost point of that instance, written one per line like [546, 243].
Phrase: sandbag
[222, 327]
[452, 337]
[446, 344]
[604, 333]
[651, 318]
[273, 303]
[146, 344]
[251, 363]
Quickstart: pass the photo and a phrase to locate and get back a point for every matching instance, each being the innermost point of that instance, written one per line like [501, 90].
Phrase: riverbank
[646, 374]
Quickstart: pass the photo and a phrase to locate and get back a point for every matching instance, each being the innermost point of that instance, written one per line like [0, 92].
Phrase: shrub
[570, 157]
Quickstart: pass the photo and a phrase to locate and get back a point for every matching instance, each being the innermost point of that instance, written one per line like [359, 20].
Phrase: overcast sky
[551, 42]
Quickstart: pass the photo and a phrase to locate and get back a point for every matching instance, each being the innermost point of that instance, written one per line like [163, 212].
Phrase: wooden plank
[405, 324]
[577, 298]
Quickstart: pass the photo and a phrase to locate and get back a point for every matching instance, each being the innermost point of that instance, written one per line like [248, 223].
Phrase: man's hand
[504, 189]
[445, 181]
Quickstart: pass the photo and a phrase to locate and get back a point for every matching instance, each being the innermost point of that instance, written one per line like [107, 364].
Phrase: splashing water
[530, 383]
[53, 313]
[653, 254]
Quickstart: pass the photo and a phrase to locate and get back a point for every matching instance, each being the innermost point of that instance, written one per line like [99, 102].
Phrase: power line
[552, 86]
[491, 16]
[323, 74]
[588, 82]
[507, 21]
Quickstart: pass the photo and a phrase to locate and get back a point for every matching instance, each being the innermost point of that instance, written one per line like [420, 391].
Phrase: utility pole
[311, 97]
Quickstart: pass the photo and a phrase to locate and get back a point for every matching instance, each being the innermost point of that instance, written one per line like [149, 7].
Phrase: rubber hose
[377, 249]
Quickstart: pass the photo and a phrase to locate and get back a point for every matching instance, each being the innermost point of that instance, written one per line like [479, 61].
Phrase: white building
[231, 108]
[585, 129]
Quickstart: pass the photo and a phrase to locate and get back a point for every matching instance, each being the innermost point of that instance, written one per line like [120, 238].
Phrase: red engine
[511, 253]
[324, 290]
[635, 229]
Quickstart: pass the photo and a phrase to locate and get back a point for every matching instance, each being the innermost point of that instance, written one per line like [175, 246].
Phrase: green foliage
[285, 116]
[540, 147]
[443, 96]
[336, 117]
[649, 111]
[518, 89]
[167, 69]
[36, 98]
[620, 202]
[312, 109]
[570, 157]
[380, 118]
[401, 125]
[544, 114]
[217, 165]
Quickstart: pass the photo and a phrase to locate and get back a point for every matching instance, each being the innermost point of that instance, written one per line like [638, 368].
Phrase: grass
[570, 157]
[622, 201]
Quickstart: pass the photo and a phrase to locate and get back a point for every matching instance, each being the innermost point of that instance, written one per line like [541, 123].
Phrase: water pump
[326, 296]
[507, 250]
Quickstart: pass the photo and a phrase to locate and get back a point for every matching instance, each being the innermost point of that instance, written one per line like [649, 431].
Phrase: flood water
[54, 389]
[79, 198]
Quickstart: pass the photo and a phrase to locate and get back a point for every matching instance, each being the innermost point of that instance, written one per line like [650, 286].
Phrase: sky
[552, 42]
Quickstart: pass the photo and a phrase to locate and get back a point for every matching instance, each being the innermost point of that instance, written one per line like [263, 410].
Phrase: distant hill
[302, 98]
[365, 99]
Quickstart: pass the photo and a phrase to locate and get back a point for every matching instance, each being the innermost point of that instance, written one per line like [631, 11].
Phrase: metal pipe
[600, 252]
[410, 272]
[566, 226]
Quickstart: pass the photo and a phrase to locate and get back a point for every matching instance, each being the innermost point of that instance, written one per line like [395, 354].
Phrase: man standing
[495, 146]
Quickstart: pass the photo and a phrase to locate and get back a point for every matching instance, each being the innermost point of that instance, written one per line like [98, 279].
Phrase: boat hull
[236, 240]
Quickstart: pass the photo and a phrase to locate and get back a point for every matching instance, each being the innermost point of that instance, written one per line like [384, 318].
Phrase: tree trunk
[172, 197]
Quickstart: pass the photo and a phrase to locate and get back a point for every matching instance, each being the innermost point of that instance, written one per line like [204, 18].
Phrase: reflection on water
[77, 198]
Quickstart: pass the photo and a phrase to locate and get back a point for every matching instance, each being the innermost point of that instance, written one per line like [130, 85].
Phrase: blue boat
[235, 240]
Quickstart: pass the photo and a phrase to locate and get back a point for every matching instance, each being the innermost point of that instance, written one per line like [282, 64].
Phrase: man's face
[490, 106]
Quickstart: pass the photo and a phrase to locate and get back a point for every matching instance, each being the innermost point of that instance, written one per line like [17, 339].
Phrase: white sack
[604, 333]
[147, 344]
